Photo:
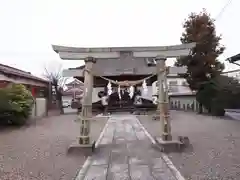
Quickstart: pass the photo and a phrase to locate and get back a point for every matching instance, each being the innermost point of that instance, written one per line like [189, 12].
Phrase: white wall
[184, 100]
[180, 88]
[39, 108]
[33, 114]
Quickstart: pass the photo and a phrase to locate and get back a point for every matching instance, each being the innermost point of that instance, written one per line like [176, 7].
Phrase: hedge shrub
[15, 105]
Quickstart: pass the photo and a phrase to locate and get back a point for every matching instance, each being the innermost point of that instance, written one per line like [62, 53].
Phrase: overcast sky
[29, 27]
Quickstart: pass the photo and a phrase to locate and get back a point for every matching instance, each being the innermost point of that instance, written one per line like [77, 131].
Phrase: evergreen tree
[202, 63]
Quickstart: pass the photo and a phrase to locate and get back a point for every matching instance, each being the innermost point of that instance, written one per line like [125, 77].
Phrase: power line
[223, 9]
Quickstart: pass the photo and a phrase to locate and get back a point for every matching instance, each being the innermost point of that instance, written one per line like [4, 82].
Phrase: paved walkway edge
[81, 174]
[169, 163]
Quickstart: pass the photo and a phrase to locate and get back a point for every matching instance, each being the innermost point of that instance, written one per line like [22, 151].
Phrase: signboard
[125, 71]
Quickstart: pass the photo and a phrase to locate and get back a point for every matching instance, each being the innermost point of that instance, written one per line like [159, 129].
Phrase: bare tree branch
[58, 81]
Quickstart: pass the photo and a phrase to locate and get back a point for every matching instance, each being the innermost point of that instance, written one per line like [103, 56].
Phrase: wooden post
[163, 98]
[86, 113]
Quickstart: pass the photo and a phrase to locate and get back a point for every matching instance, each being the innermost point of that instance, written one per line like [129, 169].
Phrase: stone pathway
[126, 153]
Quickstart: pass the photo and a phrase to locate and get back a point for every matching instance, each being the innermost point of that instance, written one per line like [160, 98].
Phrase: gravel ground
[39, 151]
[215, 152]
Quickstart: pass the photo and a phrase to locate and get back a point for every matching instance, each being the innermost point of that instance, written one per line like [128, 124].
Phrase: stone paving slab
[127, 154]
[97, 172]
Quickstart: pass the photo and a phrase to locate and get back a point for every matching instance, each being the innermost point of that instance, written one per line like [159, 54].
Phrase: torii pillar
[162, 109]
[86, 114]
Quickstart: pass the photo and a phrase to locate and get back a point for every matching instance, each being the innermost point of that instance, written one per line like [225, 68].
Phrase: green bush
[205, 95]
[16, 105]
[219, 94]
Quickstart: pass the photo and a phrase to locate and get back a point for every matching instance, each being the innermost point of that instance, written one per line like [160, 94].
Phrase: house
[74, 84]
[176, 85]
[38, 86]
[73, 91]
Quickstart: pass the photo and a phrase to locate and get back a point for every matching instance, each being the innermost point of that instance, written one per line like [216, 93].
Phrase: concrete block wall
[39, 108]
[184, 102]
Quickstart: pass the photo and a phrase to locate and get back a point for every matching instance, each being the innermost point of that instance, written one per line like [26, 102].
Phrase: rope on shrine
[128, 83]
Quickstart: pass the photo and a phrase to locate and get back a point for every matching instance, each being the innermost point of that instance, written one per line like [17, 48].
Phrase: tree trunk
[210, 110]
[59, 100]
[200, 111]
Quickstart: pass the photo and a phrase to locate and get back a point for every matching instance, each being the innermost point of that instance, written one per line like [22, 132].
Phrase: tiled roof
[71, 92]
[8, 70]
[74, 82]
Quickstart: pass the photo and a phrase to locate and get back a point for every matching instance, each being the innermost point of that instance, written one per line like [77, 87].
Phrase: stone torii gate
[92, 55]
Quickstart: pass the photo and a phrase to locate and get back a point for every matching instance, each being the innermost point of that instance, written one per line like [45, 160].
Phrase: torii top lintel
[76, 53]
